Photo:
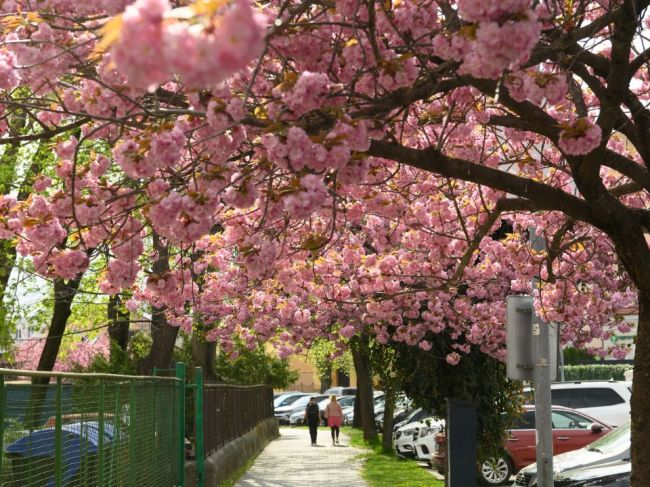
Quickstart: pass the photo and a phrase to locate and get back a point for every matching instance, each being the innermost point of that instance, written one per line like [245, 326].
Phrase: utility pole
[542, 378]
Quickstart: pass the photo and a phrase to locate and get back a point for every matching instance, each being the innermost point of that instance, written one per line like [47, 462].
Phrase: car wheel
[495, 471]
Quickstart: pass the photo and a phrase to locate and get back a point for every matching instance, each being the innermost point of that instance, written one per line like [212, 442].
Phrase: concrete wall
[220, 465]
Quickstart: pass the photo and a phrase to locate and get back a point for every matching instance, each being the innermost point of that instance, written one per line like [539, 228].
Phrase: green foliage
[120, 361]
[595, 372]
[429, 381]
[254, 367]
[576, 356]
[321, 353]
[382, 469]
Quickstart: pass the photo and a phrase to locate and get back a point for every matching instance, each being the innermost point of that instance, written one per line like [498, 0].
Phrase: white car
[283, 413]
[404, 438]
[608, 401]
[425, 442]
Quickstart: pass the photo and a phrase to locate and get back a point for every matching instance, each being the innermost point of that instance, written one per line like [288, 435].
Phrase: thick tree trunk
[364, 408]
[389, 410]
[64, 293]
[162, 347]
[119, 319]
[203, 355]
[641, 397]
[162, 333]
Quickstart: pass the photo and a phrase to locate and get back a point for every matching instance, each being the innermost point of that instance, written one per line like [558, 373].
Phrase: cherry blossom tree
[331, 168]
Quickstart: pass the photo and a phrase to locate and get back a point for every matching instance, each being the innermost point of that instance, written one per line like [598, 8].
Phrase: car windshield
[615, 441]
[410, 417]
[346, 401]
[301, 401]
[288, 400]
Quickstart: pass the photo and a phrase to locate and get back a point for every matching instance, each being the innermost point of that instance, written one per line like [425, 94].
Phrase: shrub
[595, 372]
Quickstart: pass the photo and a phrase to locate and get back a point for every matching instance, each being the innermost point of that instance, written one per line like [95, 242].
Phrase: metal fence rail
[230, 411]
[90, 430]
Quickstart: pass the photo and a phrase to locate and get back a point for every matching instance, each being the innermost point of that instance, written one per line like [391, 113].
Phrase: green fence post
[58, 444]
[180, 374]
[132, 426]
[2, 421]
[198, 426]
[100, 440]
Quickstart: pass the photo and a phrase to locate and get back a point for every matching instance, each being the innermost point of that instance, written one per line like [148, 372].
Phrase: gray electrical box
[522, 327]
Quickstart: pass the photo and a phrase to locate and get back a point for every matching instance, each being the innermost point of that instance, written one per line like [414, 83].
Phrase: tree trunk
[162, 333]
[203, 355]
[364, 405]
[162, 347]
[119, 319]
[389, 410]
[641, 397]
[64, 293]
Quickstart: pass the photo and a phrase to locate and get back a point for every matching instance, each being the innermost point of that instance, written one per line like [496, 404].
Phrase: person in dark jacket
[312, 418]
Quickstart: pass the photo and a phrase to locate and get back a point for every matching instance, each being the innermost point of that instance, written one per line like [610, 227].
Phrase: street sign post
[532, 356]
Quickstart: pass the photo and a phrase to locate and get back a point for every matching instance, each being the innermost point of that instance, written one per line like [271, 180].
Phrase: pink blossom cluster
[307, 94]
[502, 40]
[143, 157]
[299, 151]
[580, 137]
[491, 10]
[155, 44]
[537, 86]
[311, 195]
[9, 78]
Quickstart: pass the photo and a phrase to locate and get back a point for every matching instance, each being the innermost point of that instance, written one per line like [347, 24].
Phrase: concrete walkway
[291, 461]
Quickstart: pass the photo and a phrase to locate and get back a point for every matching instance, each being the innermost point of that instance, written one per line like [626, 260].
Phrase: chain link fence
[90, 430]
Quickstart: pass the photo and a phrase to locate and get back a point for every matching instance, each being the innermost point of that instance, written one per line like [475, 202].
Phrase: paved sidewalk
[290, 461]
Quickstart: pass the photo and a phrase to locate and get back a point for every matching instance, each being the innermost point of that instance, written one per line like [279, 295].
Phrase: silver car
[611, 447]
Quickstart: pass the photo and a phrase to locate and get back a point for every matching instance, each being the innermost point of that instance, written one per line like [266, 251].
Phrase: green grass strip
[381, 469]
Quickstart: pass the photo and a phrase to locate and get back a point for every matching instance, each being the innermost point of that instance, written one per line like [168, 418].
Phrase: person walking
[312, 418]
[334, 416]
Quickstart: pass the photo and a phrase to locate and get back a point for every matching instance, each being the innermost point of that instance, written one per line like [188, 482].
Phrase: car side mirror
[596, 428]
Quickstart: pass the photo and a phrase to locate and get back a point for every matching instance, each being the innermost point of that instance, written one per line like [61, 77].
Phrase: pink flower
[453, 358]
[307, 94]
[348, 331]
[9, 78]
[580, 137]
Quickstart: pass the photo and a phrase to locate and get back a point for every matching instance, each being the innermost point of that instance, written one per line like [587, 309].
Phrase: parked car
[348, 414]
[607, 401]
[284, 412]
[614, 446]
[287, 398]
[405, 436]
[425, 443]
[415, 415]
[616, 474]
[571, 430]
[341, 391]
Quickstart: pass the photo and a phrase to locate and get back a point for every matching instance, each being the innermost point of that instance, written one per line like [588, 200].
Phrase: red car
[571, 430]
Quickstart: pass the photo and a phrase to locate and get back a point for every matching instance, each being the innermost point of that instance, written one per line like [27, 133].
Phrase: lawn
[382, 469]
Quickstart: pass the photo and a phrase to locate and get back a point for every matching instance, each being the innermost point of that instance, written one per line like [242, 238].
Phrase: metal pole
[543, 423]
[198, 426]
[132, 432]
[100, 439]
[542, 378]
[560, 358]
[58, 437]
[180, 374]
[2, 420]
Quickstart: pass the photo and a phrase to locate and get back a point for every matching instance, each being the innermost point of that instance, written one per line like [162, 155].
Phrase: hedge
[595, 372]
